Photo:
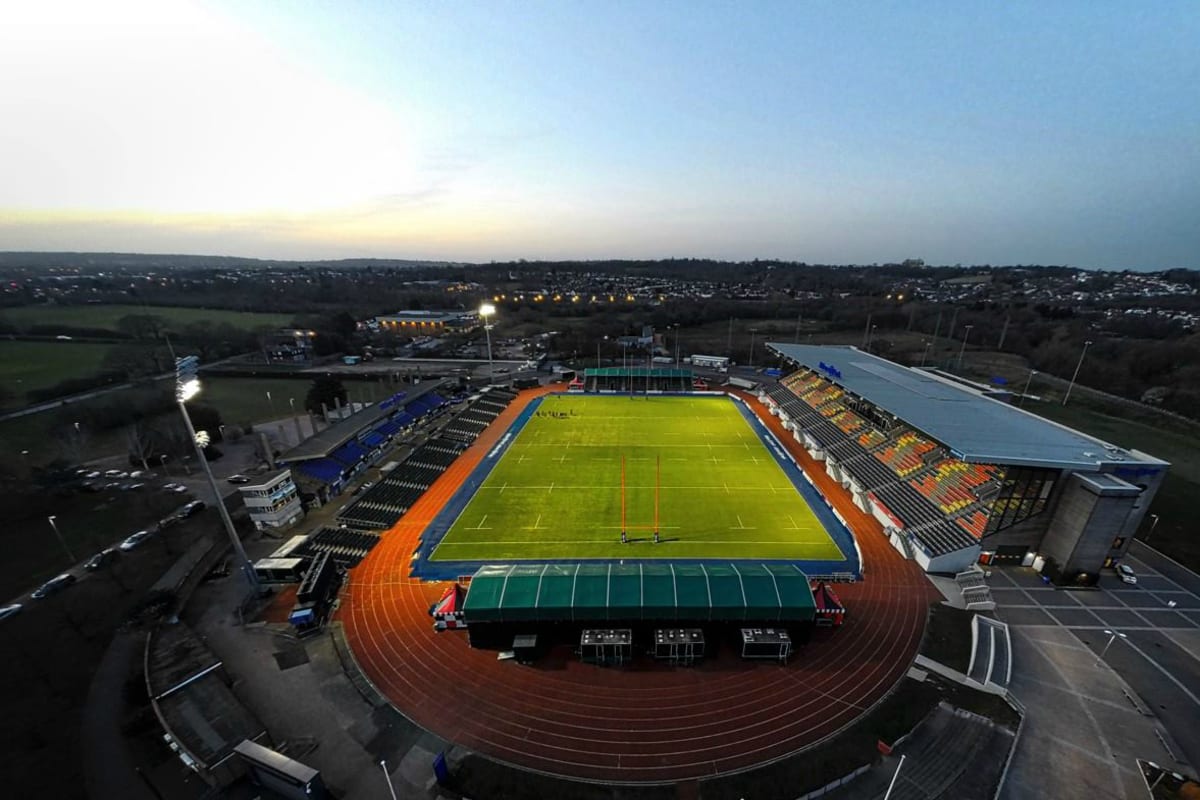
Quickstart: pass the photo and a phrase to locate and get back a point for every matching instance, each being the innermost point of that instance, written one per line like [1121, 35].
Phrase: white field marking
[714, 459]
[726, 485]
[610, 444]
[521, 460]
[561, 487]
[537, 525]
[794, 526]
[741, 526]
[551, 489]
[479, 527]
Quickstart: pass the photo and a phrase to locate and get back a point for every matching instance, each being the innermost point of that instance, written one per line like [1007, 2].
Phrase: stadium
[555, 517]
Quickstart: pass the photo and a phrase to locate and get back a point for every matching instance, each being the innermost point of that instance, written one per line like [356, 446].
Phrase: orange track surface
[646, 723]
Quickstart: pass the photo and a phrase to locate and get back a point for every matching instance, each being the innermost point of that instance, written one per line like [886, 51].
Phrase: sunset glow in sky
[825, 132]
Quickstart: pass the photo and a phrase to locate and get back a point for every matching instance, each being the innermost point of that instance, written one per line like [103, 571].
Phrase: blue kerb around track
[423, 568]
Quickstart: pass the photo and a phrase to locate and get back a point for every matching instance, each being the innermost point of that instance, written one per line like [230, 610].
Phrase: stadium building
[955, 476]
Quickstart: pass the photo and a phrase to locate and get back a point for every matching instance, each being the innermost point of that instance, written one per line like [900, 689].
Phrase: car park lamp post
[1028, 381]
[387, 776]
[963, 350]
[61, 540]
[895, 775]
[1153, 525]
[1075, 375]
[1112, 637]
[486, 311]
[187, 386]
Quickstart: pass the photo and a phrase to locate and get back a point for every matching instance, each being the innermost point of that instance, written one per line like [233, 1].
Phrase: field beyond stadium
[695, 466]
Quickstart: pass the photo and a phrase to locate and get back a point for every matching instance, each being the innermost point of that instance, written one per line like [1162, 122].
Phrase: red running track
[649, 722]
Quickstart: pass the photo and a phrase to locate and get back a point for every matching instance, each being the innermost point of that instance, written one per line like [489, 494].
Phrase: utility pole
[1004, 331]
[799, 319]
[953, 321]
[729, 344]
[867, 333]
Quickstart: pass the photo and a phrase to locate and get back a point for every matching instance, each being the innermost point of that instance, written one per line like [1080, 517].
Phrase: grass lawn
[105, 316]
[244, 401]
[556, 492]
[25, 366]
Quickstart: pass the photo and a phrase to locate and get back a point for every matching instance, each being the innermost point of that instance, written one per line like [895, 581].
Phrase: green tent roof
[600, 591]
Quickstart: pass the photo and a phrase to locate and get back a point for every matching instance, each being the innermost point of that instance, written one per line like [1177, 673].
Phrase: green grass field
[556, 492]
[25, 366]
[105, 316]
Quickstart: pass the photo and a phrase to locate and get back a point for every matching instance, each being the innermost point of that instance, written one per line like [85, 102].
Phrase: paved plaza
[1088, 718]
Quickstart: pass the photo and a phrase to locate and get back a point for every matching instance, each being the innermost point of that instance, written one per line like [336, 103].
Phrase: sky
[827, 132]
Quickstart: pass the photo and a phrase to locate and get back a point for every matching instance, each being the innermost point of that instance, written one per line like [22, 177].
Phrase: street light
[387, 776]
[962, 350]
[187, 385]
[1153, 525]
[487, 310]
[1075, 375]
[925, 352]
[1021, 404]
[162, 462]
[676, 327]
[870, 336]
[269, 399]
[1112, 637]
[61, 540]
[753, 331]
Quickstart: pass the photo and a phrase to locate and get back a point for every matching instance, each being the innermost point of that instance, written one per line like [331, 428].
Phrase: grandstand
[331, 458]
[956, 476]
[346, 547]
[381, 506]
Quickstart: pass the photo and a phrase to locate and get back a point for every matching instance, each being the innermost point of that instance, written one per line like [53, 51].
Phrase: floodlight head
[486, 310]
[203, 439]
[52, 517]
[187, 390]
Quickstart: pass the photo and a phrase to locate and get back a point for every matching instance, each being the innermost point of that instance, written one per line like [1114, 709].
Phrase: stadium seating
[346, 547]
[941, 503]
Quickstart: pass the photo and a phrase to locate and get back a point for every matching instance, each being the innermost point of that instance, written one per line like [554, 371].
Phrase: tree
[326, 390]
[141, 326]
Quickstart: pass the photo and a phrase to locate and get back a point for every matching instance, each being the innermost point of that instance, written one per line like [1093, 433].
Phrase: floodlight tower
[485, 311]
[187, 386]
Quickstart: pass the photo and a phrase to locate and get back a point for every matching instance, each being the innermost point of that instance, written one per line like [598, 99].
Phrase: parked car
[238, 479]
[53, 586]
[168, 521]
[134, 540]
[1126, 573]
[191, 509]
[92, 475]
[102, 559]
[115, 473]
[8, 611]
[169, 487]
[141, 475]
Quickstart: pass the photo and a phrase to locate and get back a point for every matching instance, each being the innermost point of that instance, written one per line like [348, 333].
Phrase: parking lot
[1089, 717]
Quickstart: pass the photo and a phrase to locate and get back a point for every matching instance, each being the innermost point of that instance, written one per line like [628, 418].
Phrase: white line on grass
[741, 526]
[480, 527]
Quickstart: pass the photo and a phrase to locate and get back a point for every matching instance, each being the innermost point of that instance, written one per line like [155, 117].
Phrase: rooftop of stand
[975, 428]
[323, 443]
